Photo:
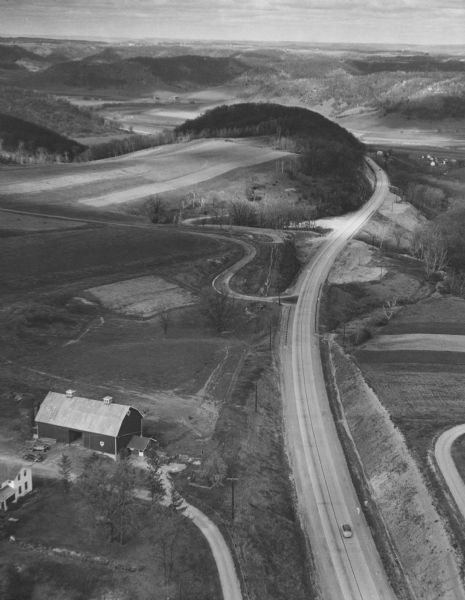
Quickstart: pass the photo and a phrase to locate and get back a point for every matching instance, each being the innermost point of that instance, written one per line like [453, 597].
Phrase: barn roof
[82, 414]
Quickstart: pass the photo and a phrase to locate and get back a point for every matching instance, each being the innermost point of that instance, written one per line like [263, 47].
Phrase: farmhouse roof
[82, 414]
[139, 442]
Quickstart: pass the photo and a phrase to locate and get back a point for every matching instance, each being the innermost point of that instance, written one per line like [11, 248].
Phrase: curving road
[445, 462]
[348, 568]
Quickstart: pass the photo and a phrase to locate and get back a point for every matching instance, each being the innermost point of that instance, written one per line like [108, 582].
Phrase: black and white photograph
[232, 300]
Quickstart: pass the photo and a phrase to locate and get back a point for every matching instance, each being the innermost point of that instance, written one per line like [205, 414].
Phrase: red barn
[101, 425]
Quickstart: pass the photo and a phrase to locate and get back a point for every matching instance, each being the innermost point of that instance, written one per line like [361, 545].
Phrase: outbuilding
[102, 425]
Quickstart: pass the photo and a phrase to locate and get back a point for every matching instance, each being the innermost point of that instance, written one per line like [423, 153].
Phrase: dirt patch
[398, 488]
[142, 297]
[393, 225]
[356, 264]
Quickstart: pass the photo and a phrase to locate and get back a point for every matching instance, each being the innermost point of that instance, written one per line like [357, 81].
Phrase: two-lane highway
[347, 568]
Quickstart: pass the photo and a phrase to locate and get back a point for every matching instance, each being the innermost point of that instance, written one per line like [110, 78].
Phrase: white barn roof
[82, 414]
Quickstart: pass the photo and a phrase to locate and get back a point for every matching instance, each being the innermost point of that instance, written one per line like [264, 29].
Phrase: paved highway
[445, 462]
[347, 568]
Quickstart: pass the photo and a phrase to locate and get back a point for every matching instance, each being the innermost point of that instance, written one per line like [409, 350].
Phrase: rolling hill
[256, 119]
[331, 159]
[52, 113]
[102, 72]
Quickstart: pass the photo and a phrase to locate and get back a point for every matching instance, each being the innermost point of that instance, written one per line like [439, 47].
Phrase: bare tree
[219, 309]
[430, 247]
[156, 209]
[165, 320]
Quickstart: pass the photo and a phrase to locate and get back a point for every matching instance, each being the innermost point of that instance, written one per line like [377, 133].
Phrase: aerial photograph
[232, 300]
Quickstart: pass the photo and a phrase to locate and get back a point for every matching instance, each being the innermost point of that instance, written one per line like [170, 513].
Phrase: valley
[280, 292]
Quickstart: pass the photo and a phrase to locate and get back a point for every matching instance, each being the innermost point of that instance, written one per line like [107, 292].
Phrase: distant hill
[25, 138]
[51, 113]
[199, 70]
[415, 63]
[430, 107]
[12, 53]
[108, 55]
[139, 73]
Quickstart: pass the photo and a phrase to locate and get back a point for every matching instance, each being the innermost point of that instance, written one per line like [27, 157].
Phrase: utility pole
[256, 396]
[232, 480]
[271, 337]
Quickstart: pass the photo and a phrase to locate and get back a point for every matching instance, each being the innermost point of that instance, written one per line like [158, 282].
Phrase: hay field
[134, 176]
[142, 296]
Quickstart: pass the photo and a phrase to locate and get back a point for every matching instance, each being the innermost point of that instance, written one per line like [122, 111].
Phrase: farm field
[20, 224]
[135, 176]
[416, 367]
[55, 258]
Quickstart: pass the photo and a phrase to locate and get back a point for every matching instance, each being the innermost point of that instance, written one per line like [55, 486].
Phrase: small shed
[13, 489]
[139, 443]
[102, 425]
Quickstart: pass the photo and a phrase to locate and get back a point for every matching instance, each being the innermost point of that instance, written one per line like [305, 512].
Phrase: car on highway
[347, 530]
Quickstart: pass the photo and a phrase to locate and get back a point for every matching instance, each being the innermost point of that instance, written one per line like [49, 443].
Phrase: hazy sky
[384, 21]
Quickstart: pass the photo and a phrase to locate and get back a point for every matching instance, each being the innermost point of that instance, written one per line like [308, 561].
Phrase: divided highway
[347, 568]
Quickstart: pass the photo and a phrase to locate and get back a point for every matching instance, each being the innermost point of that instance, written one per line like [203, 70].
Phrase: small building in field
[13, 489]
[101, 425]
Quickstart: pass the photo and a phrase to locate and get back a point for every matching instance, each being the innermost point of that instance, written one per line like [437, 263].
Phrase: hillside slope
[20, 139]
[52, 113]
